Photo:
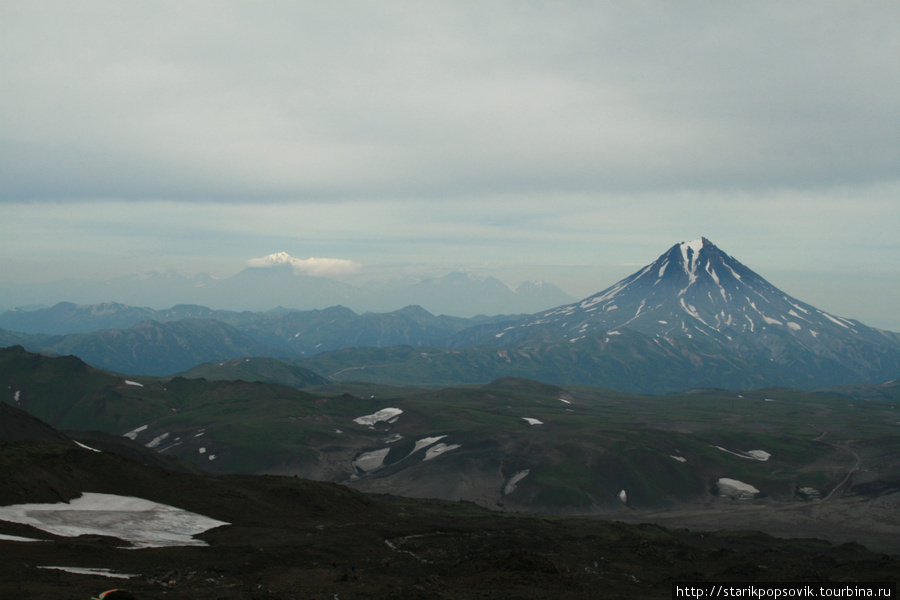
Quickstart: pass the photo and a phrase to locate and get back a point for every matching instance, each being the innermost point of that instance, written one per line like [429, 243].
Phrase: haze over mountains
[282, 280]
[696, 317]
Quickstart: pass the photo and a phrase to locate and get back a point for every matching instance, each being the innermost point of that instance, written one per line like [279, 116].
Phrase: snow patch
[623, 497]
[439, 449]
[157, 440]
[760, 455]
[134, 432]
[424, 442]
[733, 272]
[533, 421]
[794, 326]
[810, 493]
[86, 447]
[737, 490]
[144, 523]
[510, 486]
[385, 414]
[834, 320]
[101, 572]
[16, 395]
[134, 383]
[371, 461]
[16, 538]
[798, 307]
[679, 458]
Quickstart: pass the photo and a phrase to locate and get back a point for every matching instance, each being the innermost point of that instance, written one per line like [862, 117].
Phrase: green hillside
[513, 444]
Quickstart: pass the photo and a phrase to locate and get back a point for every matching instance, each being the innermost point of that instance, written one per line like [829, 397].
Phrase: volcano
[695, 300]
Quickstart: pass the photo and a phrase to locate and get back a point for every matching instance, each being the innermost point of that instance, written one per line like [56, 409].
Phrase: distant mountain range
[274, 281]
[696, 317]
[128, 339]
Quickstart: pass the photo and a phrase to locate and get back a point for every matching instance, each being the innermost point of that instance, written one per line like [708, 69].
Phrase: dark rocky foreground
[291, 538]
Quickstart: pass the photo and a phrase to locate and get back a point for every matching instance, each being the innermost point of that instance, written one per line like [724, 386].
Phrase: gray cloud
[249, 101]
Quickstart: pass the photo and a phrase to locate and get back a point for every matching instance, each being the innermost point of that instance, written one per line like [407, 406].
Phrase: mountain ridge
[694, 317]
[265, 284]
[510, 445]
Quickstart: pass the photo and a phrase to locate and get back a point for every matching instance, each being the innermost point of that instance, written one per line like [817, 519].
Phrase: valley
[704, 457]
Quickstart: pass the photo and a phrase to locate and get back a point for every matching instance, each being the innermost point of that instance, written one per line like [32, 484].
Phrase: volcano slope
[290, 538]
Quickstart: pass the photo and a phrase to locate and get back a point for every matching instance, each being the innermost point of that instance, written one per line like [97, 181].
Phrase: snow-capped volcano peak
[278, 258]
[691, 249]
[696, 317]
[314, 266]
[692, 289]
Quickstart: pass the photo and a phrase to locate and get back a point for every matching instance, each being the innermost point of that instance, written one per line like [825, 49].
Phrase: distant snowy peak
[272, 260]
[313, 266]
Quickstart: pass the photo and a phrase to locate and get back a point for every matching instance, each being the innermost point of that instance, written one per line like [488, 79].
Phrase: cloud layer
[296, 101]
[510, 134]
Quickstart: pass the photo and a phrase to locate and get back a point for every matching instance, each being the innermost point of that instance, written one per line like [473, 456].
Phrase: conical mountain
[696, 295]
[695, 288]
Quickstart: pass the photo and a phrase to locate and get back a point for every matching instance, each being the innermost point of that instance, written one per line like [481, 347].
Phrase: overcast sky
[567, 141]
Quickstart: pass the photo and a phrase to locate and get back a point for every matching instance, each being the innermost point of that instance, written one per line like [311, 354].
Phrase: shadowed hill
[286, 537]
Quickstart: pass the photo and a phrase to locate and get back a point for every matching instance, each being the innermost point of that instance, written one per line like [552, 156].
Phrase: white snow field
[385, 414]
[371, 461]
[439, 449]
[144, 523]
[425, 442]
[736, 489]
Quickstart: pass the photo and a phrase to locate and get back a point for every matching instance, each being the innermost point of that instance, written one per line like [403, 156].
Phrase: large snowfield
[144, 523]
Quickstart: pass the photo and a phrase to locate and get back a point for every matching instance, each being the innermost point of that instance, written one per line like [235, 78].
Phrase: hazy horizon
[566, 142]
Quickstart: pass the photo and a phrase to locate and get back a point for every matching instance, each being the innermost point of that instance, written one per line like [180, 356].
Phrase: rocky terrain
[782, 461]
[289, 538]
